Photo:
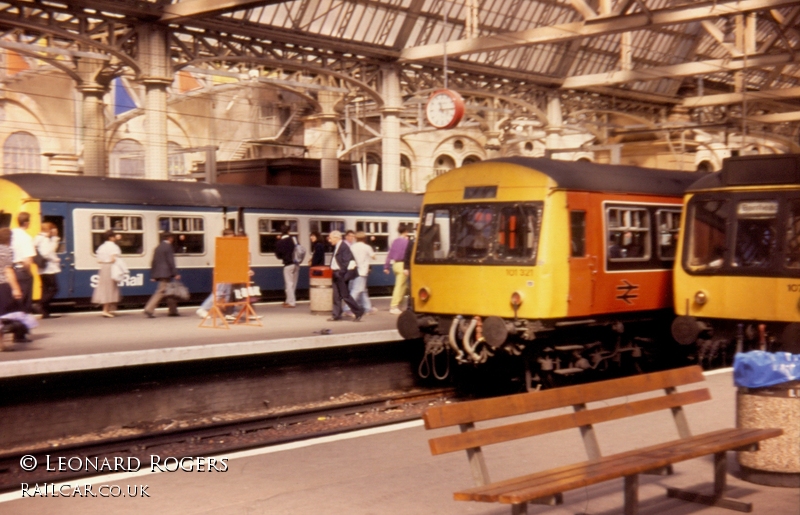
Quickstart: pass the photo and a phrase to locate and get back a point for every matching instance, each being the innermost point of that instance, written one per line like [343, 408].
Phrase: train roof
[761, 170]
[105, 190]
[587, 176]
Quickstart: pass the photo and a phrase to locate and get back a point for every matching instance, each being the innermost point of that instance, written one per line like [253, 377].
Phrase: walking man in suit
[163, 270]
[344, 270]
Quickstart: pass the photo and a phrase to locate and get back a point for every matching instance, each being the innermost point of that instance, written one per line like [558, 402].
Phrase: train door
[582, 263]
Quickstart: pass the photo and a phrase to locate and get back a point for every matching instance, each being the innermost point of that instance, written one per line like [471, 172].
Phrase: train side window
[792, 258]
[708, 229]
[189, 232]
[129, 229]
[474, 234]
[377, 234]
[756, 233]
[577, 231]
[325, 227]
[628, 237]
[5, 220]
[516, 232]
[434, 236]
[669, 223]
[269, 232]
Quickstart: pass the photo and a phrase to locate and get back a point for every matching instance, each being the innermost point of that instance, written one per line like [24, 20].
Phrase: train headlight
[424, 294]
[700, 298]
[516, 300]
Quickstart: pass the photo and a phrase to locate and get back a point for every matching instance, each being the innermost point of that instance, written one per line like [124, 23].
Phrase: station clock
[445, 109]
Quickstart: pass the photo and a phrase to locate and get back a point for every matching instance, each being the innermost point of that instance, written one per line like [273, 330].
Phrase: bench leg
[720, 475]
[519, 509]
[631, 494]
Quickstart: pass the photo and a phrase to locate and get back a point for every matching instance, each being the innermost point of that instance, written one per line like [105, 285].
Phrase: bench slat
[683, 450]
[526, 488]
[492, 435]
[497, 488]
[499, 407]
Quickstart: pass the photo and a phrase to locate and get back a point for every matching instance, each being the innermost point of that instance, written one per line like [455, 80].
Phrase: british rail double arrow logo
[627, 290]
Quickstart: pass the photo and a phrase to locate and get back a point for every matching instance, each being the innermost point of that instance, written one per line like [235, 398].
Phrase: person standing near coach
[22, 247]
[394, 262]
[344, 270]
[46, 243]
[164, 271]
[284, 250]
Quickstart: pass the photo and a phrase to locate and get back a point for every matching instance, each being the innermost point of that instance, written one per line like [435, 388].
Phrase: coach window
[756, 233]
[269, 232]
[434, 236]
[130, 235]
[5, 220]
[474, 231]
[577, 231]
[669, 223]
[325, 227]
[628, 234]
[792, 258]
[707, 240]
[377, 234]
[189, 233]
[516, 232]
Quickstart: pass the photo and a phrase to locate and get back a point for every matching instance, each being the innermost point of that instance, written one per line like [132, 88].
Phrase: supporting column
[390, 129]
[328, 141]
[157, 75]
[94, 140]
[493, 145]
[555, 122]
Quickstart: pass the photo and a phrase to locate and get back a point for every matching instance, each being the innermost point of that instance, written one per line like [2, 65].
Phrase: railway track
[84, 460]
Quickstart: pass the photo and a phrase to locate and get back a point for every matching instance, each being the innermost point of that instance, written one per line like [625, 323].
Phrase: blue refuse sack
[757, 369]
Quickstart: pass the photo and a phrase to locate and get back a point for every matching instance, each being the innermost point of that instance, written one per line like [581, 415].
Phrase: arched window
[21, 154]
[470, 159]
[176, 162]
[705, 167]
[405, 173]
[127, 159]
[443, 164]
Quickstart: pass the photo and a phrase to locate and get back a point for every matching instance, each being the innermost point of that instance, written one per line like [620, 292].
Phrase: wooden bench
[547, 487]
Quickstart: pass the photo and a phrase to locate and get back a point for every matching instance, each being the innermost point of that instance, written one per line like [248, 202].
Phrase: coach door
[582, 264]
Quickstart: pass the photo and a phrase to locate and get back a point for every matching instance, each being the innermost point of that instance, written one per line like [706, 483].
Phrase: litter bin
[769, 404]
[320, 292]
[777, 460]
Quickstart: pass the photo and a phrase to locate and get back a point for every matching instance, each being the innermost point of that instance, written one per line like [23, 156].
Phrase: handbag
[177, 289]
[119, 270]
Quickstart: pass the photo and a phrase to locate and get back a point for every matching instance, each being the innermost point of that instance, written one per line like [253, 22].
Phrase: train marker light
[516, 300]
[423, 294]
[700, 298]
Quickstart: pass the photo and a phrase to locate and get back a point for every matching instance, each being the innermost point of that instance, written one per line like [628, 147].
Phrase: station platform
[83, 341]
[390, 470]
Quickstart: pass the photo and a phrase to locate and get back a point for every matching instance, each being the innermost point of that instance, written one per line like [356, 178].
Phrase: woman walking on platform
[107, 291]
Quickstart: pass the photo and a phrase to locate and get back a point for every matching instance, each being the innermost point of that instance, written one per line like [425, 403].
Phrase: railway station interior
[587, 192]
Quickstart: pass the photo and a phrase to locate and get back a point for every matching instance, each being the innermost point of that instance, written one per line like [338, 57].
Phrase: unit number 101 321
[519, 272]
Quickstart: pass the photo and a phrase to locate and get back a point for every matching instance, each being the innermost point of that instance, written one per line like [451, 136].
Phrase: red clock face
[445, 109]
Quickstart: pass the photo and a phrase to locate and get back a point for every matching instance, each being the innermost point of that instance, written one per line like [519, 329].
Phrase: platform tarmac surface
[391, 471]
[85, 340]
